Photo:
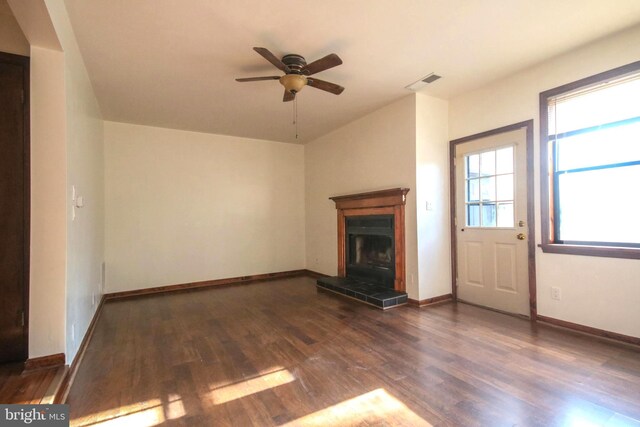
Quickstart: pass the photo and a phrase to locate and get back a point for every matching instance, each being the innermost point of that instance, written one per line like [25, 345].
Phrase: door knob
[521, 236]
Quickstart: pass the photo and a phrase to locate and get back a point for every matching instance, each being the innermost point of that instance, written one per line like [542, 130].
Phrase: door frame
[24, 61]
[531, 228]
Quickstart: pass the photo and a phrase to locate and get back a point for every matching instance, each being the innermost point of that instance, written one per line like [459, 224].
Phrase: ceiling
[173, 63]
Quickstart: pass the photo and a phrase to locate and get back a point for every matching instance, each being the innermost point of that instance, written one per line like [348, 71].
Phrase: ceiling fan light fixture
[293, 83]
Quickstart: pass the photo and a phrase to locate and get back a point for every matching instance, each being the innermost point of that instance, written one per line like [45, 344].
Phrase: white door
[491, 214]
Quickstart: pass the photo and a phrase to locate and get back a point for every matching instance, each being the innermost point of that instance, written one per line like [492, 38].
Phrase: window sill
[599, 251]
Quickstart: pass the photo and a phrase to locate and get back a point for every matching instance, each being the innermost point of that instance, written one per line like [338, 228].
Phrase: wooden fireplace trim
[384, 202]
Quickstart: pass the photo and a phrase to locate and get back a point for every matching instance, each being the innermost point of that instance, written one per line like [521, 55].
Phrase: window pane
[610, 145]
[473, 215]
[488, 163]
[473, 166]
[598, 206]
[504, 160]
[505, 187]
[473, 190]
[488, 189]
[505, 214]
[489, 215]
[610, 104]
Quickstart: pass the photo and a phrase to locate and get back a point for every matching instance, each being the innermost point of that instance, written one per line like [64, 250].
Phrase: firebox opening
[374, 251]
[370, 249]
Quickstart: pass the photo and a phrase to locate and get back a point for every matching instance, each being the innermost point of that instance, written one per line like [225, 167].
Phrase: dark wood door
[14, 206]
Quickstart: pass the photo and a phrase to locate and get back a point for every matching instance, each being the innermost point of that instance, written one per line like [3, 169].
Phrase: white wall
[85, 171]
[186, 206]
[12, 39]
[48, 204]
[598, 292]
[432, 185]
[375, 152]
[66, 149]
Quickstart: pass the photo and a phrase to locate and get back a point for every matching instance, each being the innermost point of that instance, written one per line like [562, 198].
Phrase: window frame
[548, 182]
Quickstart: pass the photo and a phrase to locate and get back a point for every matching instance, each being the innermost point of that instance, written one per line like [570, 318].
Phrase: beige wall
[432, 186]
[48, 204]
[12, 39]
[598, 292]
[373, 153]
[85, 166]
[66, 149]
[186, 206]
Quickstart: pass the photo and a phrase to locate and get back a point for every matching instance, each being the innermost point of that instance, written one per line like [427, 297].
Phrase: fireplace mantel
[372, 199]
[383, 202]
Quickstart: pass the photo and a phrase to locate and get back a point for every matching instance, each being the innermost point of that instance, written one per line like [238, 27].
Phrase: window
[590, 165]
[489, 188]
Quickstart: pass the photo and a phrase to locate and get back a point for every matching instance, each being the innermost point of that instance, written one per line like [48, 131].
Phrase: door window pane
[473, 166]
[473, 190]
[505, 187]
[505, 214]
[473, 215]
[488, 163]
[488, 215]
[504, 162]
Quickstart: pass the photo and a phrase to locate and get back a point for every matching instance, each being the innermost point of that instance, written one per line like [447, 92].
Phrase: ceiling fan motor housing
[294, 62]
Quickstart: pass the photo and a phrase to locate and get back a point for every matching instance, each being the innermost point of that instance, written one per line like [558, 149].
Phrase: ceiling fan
[297, 71]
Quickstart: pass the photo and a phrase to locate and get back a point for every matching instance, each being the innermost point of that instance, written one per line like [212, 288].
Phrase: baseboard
[44, 362]
[207, 283]
[430, 301]
[63, 390]
[590, 330]
[315, 274]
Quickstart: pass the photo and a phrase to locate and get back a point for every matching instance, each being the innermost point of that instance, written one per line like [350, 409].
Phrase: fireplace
[371, 253]
[370, 249]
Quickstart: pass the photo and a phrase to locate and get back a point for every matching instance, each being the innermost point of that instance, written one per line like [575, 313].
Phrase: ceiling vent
[430, 78]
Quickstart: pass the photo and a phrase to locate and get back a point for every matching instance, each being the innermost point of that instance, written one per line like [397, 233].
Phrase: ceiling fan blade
[256, 79]
[322, 64]
[288, 96]
[326, 86]
[266, 54]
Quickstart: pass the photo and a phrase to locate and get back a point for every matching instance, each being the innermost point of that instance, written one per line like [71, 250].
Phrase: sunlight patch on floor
[373, 407]
[141, 414]
[254, 385]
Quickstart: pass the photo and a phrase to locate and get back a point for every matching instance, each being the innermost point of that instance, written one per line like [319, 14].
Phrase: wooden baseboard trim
[315, 274]
[590, 330]
[430, 301]
[206, 284]
[44, 362]
[63, 390]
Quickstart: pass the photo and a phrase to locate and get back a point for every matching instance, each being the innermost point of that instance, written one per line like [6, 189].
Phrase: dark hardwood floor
[32, 387]
[282, 353]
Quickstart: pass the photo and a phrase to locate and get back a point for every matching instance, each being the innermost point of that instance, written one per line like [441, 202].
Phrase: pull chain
[295, 114]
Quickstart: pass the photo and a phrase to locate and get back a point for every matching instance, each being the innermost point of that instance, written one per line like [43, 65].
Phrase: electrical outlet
[555, 293]
[93, 298]
[429, 206]
[73, 333]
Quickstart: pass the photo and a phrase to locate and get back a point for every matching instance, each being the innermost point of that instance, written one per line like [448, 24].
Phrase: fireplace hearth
[371, 257]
